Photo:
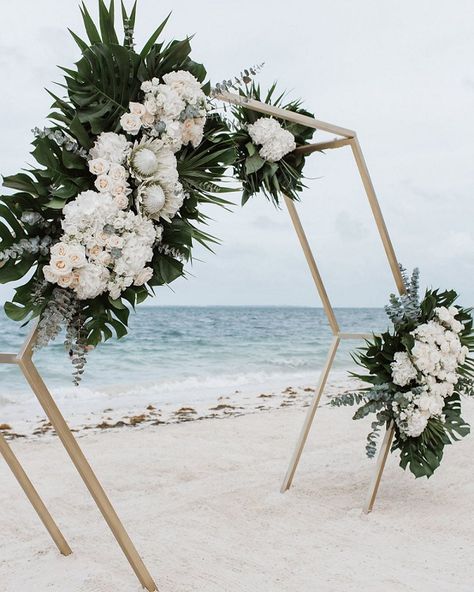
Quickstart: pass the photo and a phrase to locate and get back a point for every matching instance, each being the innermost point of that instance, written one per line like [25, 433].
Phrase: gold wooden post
[308, 422]
[24, 360]
[34, 497]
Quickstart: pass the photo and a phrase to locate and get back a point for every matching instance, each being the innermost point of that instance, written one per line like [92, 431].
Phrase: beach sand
[201, 501]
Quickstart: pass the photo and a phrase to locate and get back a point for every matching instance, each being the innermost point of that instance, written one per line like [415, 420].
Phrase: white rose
[121, 200]
[143, 276]
[60, 265]
[117, 172]
[137, 109]
[99, 166]
[66, 281]
[115, 241]
[77, 255]
[60, 249]
[146, 86]
[49, 274]
[131, 123]
[104, 258]
[120, 188]
[150, 105]
[103, 183]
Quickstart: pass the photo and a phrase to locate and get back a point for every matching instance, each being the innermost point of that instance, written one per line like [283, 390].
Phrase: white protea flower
[153, 199]
[158, 202]
[151, 159]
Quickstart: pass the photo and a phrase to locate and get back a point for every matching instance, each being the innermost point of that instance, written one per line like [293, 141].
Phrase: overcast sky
[399, 73]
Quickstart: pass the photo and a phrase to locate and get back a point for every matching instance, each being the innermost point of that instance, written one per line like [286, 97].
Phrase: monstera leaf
[103, 85]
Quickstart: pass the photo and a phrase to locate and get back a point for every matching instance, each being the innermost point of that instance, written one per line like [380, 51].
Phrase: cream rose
[117, 172]
[137, 109]
[148, 119]
[77, 255]
[121, 200]
[99, 166]
[95, 251]
[60, 265]
[103, 183]
[131, 123]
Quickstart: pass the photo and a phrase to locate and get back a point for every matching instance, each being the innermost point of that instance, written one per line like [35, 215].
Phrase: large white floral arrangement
[417, 374]
[113, 207]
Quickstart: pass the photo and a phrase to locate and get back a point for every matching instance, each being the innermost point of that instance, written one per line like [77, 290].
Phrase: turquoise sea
[183, 354]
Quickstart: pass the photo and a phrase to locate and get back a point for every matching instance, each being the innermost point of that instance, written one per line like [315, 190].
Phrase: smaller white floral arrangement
[275, 141]
[417, 372]
[267, 160]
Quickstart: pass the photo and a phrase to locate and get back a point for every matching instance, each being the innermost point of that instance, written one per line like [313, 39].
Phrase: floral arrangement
[266, 158]
[113, 206]
[417, 372]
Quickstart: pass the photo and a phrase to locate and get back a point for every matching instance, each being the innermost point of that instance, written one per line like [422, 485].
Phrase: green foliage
[256, 174]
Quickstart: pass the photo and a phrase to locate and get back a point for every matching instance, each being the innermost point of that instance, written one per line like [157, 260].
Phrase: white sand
[201, 501]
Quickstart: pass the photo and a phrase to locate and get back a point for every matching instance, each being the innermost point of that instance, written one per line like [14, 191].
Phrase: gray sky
[399, 73]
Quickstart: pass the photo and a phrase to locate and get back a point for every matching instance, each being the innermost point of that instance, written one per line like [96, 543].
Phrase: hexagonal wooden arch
[23, 359]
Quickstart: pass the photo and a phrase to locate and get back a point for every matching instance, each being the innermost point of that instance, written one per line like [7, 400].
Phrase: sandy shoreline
[147, 411]
[201, 501]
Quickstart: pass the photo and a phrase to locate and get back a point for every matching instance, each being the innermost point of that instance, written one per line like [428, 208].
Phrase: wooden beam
[260, 107]
[34, 497]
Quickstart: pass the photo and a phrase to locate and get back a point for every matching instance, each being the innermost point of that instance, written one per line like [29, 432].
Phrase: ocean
[181, 355]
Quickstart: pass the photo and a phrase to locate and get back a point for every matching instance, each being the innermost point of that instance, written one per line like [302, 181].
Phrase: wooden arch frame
[344, 137]
[23, 359]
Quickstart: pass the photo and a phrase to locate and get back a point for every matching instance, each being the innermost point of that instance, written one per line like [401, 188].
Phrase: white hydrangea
[185, 85]
[403, 371]
[276, 142]
[436, 355]
[416, 423]
[264, 130]
[111, 147]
